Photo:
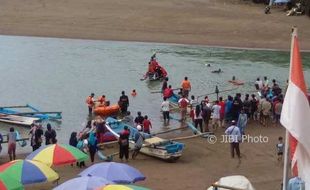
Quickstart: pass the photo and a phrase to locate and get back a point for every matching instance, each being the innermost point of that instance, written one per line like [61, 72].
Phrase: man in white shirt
[266, 83]
[234, 137]
[216, 115]
[165, 108]
[258, 84]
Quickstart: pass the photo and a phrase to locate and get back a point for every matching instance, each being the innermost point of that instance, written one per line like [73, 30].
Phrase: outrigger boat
[19, 120]
[153, 146]
[33, 113]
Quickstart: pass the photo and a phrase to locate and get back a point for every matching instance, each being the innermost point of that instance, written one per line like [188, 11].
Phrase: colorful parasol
[116, 172]
[84, 183]
[122, 187]
[28, 172]
[58, 154]
[9, 183]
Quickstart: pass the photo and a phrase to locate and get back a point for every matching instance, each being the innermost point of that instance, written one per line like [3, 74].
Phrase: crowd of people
[37, 135]
[232, 113]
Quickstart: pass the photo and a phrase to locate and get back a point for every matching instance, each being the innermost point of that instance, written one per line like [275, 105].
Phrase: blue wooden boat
[174, 99]
[153, 146]
[33, 113]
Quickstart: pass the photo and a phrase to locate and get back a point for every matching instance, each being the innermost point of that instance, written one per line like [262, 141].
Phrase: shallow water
[58, 74]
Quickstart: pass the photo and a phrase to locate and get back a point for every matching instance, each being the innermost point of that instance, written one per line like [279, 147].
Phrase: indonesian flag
[295, 116]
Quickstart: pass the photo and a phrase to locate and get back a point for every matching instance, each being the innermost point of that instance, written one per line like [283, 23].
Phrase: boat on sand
[153, 146]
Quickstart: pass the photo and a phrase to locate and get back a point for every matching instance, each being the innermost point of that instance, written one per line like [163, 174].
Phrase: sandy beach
[238, 23]
[202, 163]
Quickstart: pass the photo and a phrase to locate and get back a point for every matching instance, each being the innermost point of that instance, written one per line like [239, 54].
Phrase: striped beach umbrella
[58, 154]
[9, 183]
[122, 187]
[28, 171]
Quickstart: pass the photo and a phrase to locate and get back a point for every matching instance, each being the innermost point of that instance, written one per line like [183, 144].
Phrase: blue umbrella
[116, 172]
[83, 183]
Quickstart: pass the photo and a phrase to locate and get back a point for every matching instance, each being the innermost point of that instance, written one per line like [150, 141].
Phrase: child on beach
[280, 149]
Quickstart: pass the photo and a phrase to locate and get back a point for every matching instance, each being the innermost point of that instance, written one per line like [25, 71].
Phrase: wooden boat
[34, 112]
[19, 120]
[153, 146]
[236, 82]
[107, 110]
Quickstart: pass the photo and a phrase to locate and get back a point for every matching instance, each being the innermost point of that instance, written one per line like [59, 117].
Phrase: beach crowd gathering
[231, 114]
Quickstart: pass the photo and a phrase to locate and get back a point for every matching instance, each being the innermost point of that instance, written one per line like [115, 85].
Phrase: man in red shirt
[183, 103]
[147, 125]
[168, 92]
[222, 111]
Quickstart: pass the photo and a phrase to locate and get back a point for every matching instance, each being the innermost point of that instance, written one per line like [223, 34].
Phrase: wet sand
[203, 163]
[238, 23]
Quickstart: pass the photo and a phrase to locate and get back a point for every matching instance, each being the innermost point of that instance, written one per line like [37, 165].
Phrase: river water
[58, 74]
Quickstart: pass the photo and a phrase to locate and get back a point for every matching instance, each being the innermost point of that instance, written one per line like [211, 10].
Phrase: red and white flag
[295, 116]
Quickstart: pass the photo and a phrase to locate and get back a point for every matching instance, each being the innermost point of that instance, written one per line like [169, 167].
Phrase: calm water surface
[58, 74]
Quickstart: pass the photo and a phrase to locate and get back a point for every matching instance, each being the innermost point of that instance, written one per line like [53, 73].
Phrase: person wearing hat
[233, 135]
[138, 142]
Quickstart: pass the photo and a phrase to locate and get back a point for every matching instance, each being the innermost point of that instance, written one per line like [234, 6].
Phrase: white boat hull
[150, 150]
[19, 120]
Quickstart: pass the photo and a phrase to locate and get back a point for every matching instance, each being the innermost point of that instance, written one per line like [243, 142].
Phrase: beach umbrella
[84, 183]
[9, 183]
[122, 187]
[58, 154]
[28, 171]
[116, 172]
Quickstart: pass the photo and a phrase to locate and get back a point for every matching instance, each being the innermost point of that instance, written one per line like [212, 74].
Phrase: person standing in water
[91, 103]
[147, 125]
[165, 85]
[183, 103]
[165, 107]
[186, 86]
[123, 103]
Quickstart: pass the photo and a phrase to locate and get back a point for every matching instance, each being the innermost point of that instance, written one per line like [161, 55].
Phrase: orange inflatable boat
[107, 110]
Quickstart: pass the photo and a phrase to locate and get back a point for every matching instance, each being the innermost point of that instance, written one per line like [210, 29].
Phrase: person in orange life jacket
[186, 86]
[123, 102]
[183, 103]
[134, 93]
[90, 102]
[101, 100]
[165, 85]
[168, 92]
[139, 119]
[147, 125]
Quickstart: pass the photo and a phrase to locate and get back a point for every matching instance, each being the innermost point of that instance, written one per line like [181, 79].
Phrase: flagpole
[286, 165]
